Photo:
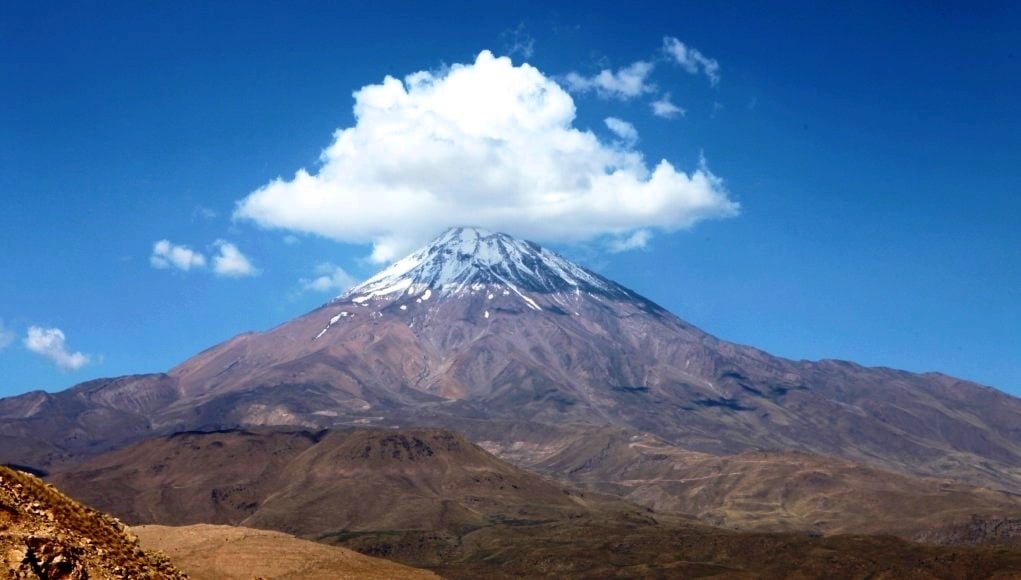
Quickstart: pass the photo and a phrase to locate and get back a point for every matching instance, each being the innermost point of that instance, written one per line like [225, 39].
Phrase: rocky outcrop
[978, 531]
[46, 535]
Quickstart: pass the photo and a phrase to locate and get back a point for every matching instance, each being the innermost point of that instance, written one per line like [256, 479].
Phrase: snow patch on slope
[333, 321]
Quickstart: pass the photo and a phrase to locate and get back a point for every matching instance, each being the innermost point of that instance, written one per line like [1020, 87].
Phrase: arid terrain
[313, 484]
[207, 552]
[757, 490]
[437, 479]
[431, 499]
[46, 535]
[594, 549]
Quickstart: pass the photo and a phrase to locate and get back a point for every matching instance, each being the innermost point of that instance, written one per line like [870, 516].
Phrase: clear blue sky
[875, 152]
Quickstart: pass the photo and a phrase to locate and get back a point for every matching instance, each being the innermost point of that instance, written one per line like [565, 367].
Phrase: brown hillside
[233, 553]
[978, 531]
[599, 549]
[44, 534]
[317, 483]
[758, 490]
[428, 498]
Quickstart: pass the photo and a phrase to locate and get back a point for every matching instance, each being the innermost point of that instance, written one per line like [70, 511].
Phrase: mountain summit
[464, 260]
[486, 333]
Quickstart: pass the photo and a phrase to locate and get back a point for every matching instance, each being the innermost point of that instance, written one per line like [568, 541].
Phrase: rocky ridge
[46, 535]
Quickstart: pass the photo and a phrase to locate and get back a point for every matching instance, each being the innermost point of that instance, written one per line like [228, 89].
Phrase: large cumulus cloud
[487, 144]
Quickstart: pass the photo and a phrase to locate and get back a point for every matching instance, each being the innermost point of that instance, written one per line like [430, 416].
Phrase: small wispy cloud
[329, 278]
[717, 107]
[518, 42]
[665, 108]
[691, 59]
[634, 241]
[50, 343]
[229, 262]
[167, 255]
[626, 131]
[626, 83]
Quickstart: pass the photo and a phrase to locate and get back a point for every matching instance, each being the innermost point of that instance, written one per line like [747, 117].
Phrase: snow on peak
[463, 258]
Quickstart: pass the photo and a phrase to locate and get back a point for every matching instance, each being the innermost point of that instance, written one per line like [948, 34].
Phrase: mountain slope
[481, 326]
[45, 534]
[430, 499]
[209, 552]
[757, 490]
[312, 484]
[612, 550]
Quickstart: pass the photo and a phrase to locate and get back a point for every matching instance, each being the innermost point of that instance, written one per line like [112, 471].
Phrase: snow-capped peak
[466, 258]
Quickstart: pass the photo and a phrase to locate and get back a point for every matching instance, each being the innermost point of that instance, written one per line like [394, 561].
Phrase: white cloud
[50, 343]
[626, 131]
[329, 278]
[691, 59]
[664, 107]
[626, 83]
[487, 144]
[230, 262]
[634, 241]
[167, 255]
[6, 335]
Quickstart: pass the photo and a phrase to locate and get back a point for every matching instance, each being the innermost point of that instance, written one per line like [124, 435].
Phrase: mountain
[45, 534]
[480, 327]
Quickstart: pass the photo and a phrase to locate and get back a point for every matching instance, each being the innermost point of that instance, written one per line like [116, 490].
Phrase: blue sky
[874, 151]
